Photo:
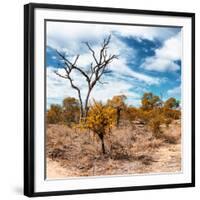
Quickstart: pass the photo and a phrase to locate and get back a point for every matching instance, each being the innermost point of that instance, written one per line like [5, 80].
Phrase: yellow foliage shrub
[100, 120]
[54, 114]
[172, 114]
[144, 115]
[131, 113]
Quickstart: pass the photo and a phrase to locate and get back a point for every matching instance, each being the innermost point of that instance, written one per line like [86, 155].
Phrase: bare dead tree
[97, 68]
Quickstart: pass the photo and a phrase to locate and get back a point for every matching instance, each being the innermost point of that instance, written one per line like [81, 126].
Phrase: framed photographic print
[108, 99]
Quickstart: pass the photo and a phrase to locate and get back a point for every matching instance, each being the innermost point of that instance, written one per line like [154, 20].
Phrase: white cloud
[165, 56]
[171, 48]
[68, 37]
[62, 34]
[160, 64]
[175, 91]
[120, 67]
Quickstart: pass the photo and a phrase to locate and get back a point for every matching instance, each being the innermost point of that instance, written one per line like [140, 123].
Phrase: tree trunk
[81, 106]
[101, 136]
[103, 147]
[81, 111]
[86, 101]
[118, 117]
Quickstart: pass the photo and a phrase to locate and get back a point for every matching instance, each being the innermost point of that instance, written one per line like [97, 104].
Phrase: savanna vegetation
[115, 113]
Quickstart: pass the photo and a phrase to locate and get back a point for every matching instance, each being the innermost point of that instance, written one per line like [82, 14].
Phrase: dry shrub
[167, 122]
[119, 152]
[154, 125]
[154, 143]
[56, 154]
[120, 142]
[145, 159]
[145, 145]
[85, 163]
[123, 135]
[170, 138]
[65, 143]
[127, 144]
[172, 134]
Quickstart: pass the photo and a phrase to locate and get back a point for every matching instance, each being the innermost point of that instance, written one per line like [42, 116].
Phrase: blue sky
[149, 60]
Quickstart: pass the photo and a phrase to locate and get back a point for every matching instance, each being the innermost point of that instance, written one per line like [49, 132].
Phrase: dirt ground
[129, 150]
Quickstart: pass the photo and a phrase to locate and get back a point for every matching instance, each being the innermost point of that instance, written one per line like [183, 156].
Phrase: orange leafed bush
[100, 120]
[54, 114]
[118, 103]
[71, 110]
[131, 113]
[172, 114]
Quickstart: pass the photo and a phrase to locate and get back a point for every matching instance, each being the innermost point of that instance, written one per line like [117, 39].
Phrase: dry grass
[129, 151]
[172, 134]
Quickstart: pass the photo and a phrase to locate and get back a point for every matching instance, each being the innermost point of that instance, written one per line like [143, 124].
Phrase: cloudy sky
[149, 60]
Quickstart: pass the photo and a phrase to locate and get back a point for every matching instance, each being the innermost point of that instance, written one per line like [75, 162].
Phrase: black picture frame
[29, 98]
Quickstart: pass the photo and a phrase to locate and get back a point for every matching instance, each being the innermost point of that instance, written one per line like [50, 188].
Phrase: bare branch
[66, 70]
[63, 57]
[83, 73]
[76, 60]
[106, 41]
[93, 53]
[65, 77]
[102, 82]
[73, 86]
[73, 66]
[66, 61]
[91, 67]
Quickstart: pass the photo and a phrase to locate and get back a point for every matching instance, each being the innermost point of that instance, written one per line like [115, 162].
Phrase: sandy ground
[165, 159]
[82, 156]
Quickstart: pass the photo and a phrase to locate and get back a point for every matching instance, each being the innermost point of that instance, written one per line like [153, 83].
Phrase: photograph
[113, 100]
